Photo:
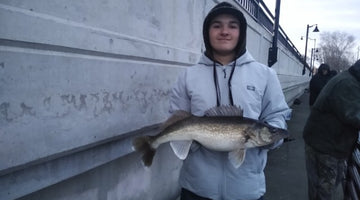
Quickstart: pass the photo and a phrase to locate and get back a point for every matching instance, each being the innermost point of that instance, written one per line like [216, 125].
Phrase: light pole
[306, 41]
[273, 50]
[314, 52]
[311, 57]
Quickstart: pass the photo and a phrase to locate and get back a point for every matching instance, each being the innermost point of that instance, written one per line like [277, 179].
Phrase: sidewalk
[285, 171]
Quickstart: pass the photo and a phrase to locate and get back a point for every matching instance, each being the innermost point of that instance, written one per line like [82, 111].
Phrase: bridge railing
[351, 184]
[263, 15]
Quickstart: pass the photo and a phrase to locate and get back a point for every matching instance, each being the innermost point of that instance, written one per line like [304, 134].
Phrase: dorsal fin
[227, 110]
[177, 116]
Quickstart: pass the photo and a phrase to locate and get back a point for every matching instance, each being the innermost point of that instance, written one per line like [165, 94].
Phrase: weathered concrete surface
[122, 179]
[71, 77]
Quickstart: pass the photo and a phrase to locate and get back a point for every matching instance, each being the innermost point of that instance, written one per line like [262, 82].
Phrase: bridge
[79, 80]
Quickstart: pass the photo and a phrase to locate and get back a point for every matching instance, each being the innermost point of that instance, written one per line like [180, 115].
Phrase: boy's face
[224, 34]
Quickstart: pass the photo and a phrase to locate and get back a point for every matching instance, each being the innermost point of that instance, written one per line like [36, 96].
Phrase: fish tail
[142, 144]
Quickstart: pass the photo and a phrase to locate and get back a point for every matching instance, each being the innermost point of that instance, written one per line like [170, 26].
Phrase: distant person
[331, 132]
[318, 81]
[227, 74]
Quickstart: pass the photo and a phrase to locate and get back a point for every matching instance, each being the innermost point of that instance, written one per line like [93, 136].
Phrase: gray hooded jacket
[256, 89]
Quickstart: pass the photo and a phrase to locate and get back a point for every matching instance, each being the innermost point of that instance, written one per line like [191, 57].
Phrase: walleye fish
[221, 129]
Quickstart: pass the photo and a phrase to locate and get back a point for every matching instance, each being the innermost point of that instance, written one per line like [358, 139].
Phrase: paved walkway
[285, 171]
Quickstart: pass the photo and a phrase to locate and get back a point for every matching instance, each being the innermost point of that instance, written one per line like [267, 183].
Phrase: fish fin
[142, 144]
[177, 116]
[223, 110]
[237, 157]
[181, 148]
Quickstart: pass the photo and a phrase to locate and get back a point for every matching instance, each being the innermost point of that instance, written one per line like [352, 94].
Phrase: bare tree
[336, 49]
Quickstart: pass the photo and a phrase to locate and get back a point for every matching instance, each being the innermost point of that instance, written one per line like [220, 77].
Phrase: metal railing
[260, 12]
[351, 184]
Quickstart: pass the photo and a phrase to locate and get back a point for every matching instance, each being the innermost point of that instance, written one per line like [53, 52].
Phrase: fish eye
[273, 130]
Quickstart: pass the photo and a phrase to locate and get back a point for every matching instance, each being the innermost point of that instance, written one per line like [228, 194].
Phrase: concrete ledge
[40, 174]
[294, 91]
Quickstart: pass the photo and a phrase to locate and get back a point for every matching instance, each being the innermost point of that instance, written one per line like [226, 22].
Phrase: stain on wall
[96, 104]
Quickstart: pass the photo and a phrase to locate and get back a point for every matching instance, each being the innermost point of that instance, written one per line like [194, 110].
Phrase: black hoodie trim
[225, 8]
[216, 83]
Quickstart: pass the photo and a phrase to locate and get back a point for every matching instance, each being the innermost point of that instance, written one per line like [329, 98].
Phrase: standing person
[227, 75]
[318, 81]
[331, 132]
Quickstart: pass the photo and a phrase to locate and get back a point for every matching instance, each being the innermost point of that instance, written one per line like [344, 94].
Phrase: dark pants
[187, 195]
[324, 173]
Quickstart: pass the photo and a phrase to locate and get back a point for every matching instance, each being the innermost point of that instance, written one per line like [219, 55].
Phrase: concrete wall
[288, 67]
[79, 79]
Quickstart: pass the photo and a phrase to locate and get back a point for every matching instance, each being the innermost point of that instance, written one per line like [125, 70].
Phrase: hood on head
[355, 70]
[324, 67]
[225, 8]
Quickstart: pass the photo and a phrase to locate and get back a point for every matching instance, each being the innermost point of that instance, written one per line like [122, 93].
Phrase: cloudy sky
[330, 15]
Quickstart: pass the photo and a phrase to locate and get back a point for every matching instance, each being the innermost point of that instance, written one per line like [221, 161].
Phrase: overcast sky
[330, 15]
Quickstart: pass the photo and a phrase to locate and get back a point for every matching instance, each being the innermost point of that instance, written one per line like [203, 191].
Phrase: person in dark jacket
[318, 82]
[331, 132]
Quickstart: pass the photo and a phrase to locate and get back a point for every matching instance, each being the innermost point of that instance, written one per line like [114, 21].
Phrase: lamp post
[315, 53]
[311, 57]
[273, 50]
[306, 41]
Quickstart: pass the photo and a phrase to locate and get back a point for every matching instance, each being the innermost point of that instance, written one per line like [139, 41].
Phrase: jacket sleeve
[179, 98]
[345, 103]
[274, 107]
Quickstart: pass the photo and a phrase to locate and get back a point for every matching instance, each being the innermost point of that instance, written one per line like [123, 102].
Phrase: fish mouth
[280, 134]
